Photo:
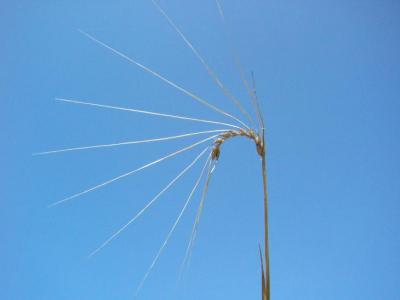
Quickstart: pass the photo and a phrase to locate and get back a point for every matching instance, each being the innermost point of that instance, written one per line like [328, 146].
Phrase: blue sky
[327, 76]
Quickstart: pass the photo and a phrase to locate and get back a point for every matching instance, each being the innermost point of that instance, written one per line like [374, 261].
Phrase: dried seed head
[215, 153]
[216, 150]
[217, 146]
[259, 145]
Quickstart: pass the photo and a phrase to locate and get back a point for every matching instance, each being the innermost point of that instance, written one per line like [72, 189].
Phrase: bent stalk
[259, 140]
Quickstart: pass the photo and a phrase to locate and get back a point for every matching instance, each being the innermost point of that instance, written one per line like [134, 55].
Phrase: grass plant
[215, 139]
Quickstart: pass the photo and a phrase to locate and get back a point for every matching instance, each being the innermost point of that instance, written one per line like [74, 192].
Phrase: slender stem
[264, 174]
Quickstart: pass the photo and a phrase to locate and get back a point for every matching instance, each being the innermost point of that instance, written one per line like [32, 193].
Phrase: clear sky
[328, 78]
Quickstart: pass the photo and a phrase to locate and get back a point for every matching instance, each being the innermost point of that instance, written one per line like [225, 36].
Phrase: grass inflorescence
[215, 139]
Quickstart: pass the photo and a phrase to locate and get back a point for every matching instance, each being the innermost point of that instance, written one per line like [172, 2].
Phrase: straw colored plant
[213, 151]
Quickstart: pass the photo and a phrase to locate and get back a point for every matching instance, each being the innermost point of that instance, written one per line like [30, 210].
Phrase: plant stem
[266, 292]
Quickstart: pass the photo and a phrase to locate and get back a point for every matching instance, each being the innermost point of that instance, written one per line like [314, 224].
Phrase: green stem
[266, 295]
